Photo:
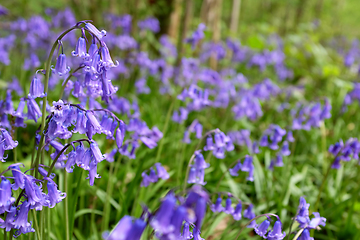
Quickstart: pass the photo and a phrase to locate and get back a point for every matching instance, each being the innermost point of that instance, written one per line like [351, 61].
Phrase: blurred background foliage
[307, 27]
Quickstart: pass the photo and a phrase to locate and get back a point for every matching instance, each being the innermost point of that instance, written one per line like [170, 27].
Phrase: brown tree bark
[235, 15]
[175, 17]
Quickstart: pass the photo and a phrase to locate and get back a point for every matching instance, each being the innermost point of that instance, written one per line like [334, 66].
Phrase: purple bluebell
[234, 171]
[305, 235]
[107, 62]
[136, 230]
[161, 172]
[217, 207]
[249, 214]
[93, 172]
[237, 213]
[161, 220]
[10, 218]
[262, 229]
[80, 49]
[33, 110]
[9, 143]
[278, 161]
[21, 220]
[151, 24]
[285, 149]
[5, 195]
[209, 144]
[19, 181]
[186, 234]
[228, 208]
[196, 36]
[44, 173]
[93, 30]
[316, 221]
[20, 110]
[61, 68]
[36, 89]
[200, 210]
[95, 152]
[121, 230]
[54, 195]
[275, 233]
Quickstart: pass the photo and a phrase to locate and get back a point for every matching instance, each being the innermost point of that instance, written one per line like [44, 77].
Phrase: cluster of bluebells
[344, 152]
[246, 166]
[229, 208]
[304, 221]
[33, 196]
[307, 116]
[353, 95]
[197, 170]
[218, 143]
[153, 175]
[274, 136]
[174, 219]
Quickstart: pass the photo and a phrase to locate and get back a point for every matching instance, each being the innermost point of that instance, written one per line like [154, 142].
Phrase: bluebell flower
[33, 110]
[19, 181]
[200, 210]
[80, 49]
[196, 36]
[209, 144]
[96, 153]
[316, 221]
[70, 163]
[285, 149]
[275, 233]
[161, 172]
[192, 176]
[237, 213]
[106, 58]
[228, 208]
[54, 195]
[10, 217]
[93, 121]
[36, 89]
[20, 110]
[21, 220]
[93, 172]
[9, 143]
[161, 220]
[249, 214]
[278, 161]
[261, 229]
[217, 207]
[5, 195]
[234, 171]
[196, 234]
[93, 30]
[61, 68]
[121, 229]
[150, 23]
[44, 173]
[305, 235]
[136, 230]
[186, 231]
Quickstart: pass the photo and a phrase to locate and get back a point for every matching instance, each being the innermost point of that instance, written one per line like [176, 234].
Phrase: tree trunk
[216, 10]
[173, 30]
[235, 14]
[184, 26]
[300, 12]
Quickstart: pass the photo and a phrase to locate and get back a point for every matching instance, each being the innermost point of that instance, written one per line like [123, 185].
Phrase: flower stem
[37, 230]
[67, 80]
[66, 208]
[46, 86]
